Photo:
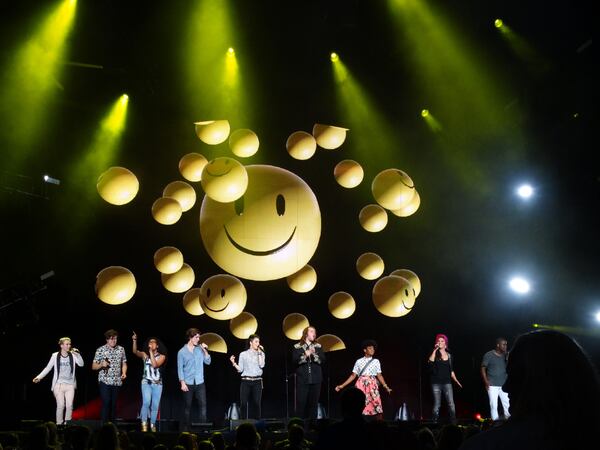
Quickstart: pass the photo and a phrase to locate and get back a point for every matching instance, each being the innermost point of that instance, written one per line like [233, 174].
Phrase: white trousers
[64, 394]
[493, 393]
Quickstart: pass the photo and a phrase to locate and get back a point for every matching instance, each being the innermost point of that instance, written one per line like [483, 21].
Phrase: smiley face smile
[257, 252]
[217, 175]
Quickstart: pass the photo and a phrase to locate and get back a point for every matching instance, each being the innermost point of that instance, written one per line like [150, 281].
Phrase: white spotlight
[49, 179]
[519, 285]
[598, 316]
[525, 191]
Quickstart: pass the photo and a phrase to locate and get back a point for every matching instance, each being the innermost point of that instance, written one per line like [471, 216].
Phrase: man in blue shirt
[190, 369]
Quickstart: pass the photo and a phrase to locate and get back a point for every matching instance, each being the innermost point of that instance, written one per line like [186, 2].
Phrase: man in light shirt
[250, 366]
[191, 359]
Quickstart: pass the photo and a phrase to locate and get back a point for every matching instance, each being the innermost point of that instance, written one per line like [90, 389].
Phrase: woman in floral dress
[367, 373]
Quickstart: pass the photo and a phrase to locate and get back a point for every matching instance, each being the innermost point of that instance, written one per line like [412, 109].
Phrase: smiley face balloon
[271, 232]
[224, 179]
[393, 296]
[223, 297]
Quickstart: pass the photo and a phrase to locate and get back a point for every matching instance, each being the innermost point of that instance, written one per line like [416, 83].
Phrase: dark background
[464, 242]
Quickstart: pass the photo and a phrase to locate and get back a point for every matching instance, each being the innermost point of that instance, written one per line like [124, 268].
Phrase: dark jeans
[250, 395]
[108, 394]
[198, 391]
[437, 390]
[308, 400]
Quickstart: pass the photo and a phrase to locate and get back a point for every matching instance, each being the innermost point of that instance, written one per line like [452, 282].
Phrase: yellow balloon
[304, 280]
[215, 342]
[223, 297]
[301, 145]
[393, 296]
[348, 173]
[212, 132]
[182, 192]
[331, 343]
[293, 325]
[224, 179]
[191, 166]
[166, 210]
[410, 208]
[370, 266]
[118, 186]
[393, 189]
[115, 285]
[269, 233]
[168, 260]
[243, 143]
[329, 136]
[243, 325]
[373, 218]
[180, 281]
[191, 302]
[412, 278]
[341, 305]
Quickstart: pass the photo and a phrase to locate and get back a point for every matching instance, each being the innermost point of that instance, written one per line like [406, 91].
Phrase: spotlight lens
[498, 23]
[425, 113]
[519, 285]
[334, 56]
[598, 316]
[525, 191]
[230, 51]
[46, 177]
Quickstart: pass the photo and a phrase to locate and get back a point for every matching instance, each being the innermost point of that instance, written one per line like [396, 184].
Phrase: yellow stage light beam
[433, 124]
[535, 62]
[103, 150]
[371, 138]
[212, 76]
[461, 86]
[568, 330]
[31, 79]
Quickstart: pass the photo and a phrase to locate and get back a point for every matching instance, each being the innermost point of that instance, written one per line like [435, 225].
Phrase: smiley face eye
[208, 292]
[239, 206]
[222, 293]
[280, 205]
[406, 292]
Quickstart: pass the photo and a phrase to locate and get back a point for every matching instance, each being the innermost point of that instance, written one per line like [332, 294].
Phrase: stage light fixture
[519, 285]
[49, 179]
[230, 51]
[424, 113]
[598, 316]
[498, 23]
[525, 191]
[334, 57]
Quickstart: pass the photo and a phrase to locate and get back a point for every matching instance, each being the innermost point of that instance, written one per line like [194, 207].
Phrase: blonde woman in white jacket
[63, 382]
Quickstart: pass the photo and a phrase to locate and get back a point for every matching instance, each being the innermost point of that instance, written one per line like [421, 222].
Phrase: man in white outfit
[493, 372]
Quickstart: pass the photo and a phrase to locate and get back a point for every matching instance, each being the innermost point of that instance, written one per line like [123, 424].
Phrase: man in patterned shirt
[111, 363]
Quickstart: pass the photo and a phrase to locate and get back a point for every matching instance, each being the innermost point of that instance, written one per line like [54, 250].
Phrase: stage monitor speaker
[168, 425]
[234, 423]
[28, 425]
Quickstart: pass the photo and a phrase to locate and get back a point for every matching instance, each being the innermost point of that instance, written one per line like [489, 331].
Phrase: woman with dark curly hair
[154, 358]
[367, 373]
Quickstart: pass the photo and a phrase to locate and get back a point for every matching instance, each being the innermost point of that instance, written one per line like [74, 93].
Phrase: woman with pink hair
[441, 376]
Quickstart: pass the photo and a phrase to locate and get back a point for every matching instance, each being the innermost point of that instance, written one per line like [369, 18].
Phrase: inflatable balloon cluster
[261, 222]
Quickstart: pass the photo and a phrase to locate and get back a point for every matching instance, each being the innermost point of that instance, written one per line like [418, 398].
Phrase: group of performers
[110, 361]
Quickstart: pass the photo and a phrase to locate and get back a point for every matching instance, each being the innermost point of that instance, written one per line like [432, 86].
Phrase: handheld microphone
[261, 348]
